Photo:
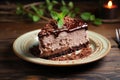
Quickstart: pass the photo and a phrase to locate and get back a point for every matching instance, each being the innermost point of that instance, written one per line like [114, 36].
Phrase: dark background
[30, 1]
[8, 7]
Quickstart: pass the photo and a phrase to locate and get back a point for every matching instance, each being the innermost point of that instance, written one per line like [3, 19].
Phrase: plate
[99, 44]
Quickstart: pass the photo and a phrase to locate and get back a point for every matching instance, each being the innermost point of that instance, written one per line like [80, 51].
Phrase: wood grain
[12, 67]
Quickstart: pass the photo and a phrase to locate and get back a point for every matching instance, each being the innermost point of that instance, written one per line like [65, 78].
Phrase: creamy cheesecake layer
[56, 41]
[54, 45]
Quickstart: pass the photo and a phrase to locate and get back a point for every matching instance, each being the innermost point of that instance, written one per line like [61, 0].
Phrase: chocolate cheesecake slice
[55, 42]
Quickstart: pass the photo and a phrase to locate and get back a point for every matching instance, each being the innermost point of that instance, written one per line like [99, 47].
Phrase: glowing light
[110, 4]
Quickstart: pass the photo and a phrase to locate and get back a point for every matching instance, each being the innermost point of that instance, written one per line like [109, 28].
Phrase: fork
[118, 37]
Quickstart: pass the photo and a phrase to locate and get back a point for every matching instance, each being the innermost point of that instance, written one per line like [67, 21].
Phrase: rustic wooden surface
[14, 68]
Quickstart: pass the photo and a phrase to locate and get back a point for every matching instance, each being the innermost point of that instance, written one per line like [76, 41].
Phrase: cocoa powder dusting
[71, 23]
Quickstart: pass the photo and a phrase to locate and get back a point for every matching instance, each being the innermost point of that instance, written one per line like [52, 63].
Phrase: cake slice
[55, 42]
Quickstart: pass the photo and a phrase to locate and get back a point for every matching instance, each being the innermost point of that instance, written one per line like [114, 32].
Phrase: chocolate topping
[70, 24]
[50, 27]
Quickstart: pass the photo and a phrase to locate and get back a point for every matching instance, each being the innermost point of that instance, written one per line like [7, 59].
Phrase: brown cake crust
[73, 56]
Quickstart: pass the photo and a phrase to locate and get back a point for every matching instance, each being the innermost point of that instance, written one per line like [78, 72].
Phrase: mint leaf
[64, 13]
[97, 21]
[64, 8]
[50, 4]
[71, 14]
[63, 2]
[60, 23]
[50, 7]
[40, 12]
[54, 2]
[70, 4]
[54, 15]
[48, 1]
[36, 12]
[92, 17]
[35, 18]
[85, 16]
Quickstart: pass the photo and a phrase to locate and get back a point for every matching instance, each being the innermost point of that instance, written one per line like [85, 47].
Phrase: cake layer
[51, 45]
[56, 41]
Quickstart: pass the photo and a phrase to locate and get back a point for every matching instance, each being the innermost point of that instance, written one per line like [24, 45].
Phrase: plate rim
[70, 64]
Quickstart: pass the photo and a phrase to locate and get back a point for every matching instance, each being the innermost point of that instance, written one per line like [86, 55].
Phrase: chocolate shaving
[69, 23]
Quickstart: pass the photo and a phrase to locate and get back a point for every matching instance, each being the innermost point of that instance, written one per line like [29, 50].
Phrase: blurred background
[8, 7]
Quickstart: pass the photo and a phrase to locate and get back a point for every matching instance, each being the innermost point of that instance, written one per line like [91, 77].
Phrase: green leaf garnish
[48, 9]
[54, 2]
[85, 16]
[35, 18]
[59, 17]
[40, 12]
[92, 17]
[97, 21]
[48, 1]
[63, 3]
[54, 15]
[64, 8]
[71, 14]
[60, 23]
[70, 4]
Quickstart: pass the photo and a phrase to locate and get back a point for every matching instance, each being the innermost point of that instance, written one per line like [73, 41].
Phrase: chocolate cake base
[84, 52]
[73, 56]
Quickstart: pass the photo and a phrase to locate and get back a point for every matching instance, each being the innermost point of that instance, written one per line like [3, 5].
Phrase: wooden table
[14, 68]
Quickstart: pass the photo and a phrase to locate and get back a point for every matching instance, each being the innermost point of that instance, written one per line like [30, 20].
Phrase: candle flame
[110, 4]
